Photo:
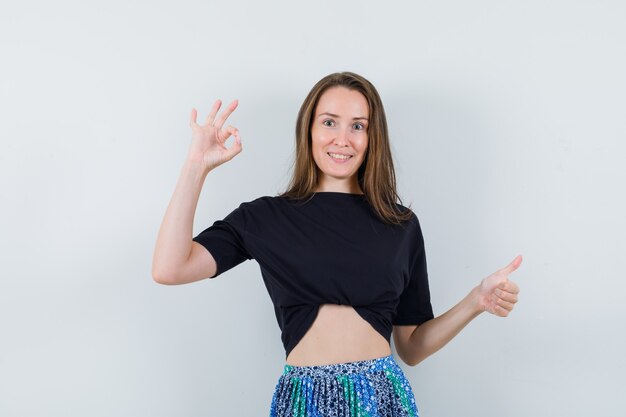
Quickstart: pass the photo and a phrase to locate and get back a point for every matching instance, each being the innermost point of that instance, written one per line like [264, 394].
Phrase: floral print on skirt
[369, 388]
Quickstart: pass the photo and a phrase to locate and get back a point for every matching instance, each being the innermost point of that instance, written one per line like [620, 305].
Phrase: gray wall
[507, 122]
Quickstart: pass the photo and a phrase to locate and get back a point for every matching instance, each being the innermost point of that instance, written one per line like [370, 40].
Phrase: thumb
[513, 265]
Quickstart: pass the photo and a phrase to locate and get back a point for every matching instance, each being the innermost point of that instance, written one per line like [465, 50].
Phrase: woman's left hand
[496, 294]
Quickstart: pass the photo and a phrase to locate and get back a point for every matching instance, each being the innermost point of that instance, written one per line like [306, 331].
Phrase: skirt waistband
[355, 367]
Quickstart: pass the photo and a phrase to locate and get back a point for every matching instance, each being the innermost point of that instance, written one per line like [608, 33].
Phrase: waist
[331, 370]
[338, 334]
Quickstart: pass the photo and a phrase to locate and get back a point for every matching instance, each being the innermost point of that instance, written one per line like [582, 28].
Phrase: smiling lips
[338, 157]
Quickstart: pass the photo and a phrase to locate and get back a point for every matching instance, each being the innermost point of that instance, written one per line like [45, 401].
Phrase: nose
[341, 138]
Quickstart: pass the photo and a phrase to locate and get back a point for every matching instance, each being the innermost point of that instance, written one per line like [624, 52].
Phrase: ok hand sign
[208, 140]
[498, 295]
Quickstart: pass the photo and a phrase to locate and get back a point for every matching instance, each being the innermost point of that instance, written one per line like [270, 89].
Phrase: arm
[495, 294]
[177, 259]
[173, 246]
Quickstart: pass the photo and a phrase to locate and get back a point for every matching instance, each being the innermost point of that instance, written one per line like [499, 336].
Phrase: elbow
[413, 355]
[163, 278]
[413, 360]
[410, 358]
[165, 274]
[158, 279]
[418, 355]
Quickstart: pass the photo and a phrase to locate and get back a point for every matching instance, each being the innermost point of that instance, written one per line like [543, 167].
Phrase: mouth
[337, 157]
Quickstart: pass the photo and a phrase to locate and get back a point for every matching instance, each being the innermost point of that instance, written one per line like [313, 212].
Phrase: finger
[224, 134]
[235, 148]
[509, 286]
[504, 304]
[505, 295]
[192, 117]
[513, 265]
[220, 120]
[211, 116]
[500, 311]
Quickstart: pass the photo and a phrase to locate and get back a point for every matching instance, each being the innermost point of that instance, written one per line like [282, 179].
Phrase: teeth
[336, 155]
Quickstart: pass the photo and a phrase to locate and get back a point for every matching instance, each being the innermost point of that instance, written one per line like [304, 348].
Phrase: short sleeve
[414, 306]
[225, 240]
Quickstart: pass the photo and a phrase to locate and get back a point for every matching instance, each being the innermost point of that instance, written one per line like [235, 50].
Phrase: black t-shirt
[330, 248]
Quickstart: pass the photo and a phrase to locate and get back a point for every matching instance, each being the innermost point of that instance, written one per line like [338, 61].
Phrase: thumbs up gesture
[498, 295]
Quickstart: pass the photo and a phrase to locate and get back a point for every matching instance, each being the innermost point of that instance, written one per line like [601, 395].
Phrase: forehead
[343, 102]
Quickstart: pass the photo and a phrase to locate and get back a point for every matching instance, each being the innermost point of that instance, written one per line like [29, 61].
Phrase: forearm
[174, 239]
[434, 334]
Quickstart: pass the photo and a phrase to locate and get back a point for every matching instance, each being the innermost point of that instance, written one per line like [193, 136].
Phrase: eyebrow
[336, 115]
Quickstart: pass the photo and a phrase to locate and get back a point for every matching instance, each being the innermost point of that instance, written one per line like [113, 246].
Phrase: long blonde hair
[376, 175]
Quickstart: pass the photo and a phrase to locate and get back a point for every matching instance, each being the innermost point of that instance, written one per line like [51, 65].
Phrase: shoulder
[413, 226]
[414, 218]
[262, 201]
[263, 205]
[264, 212]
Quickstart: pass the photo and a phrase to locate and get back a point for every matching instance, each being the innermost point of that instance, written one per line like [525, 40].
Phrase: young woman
[343, 262]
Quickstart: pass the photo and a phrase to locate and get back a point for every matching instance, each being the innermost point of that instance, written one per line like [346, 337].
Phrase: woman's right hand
[207, 140]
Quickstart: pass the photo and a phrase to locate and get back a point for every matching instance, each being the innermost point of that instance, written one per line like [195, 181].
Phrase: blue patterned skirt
[369, 388]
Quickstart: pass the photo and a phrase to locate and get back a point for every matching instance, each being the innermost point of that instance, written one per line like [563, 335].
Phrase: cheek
[318, 141]
[363, 145]
[314, 139]
[316, 147]
[315, 143]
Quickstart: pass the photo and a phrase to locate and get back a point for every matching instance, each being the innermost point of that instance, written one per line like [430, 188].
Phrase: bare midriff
[338, 334]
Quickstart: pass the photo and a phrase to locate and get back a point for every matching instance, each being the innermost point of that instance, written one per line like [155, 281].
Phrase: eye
[327, 120]
[360, 124]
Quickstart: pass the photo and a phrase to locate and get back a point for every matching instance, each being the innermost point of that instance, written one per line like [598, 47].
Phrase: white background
[507, 125]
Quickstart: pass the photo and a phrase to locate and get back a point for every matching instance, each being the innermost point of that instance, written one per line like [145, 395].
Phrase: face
[339, 138]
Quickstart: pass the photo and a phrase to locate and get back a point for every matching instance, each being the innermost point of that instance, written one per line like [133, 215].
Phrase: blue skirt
[369, 388]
